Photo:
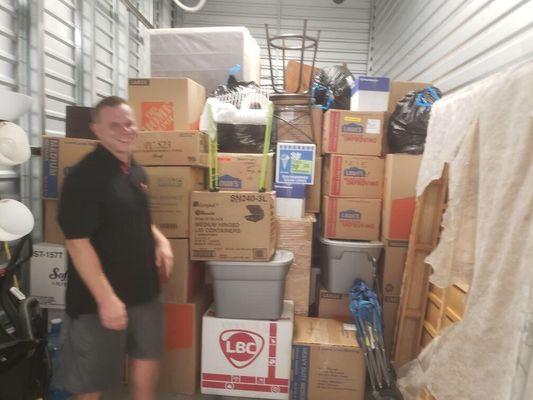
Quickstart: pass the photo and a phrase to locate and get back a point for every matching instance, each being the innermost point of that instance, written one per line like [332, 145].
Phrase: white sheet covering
[485, 133]
[204, 55]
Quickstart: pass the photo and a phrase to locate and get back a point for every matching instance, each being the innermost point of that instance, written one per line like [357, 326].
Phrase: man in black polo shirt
[116, 259]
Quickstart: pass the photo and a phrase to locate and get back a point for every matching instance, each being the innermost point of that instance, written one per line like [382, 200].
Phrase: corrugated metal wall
[449, 42]
[66, 52]
[344, 27]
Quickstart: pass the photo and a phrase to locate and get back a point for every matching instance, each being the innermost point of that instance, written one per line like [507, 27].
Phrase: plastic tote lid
[280, 258]
[13, 105]
[14, 145]
[352, 244]
[16, 220]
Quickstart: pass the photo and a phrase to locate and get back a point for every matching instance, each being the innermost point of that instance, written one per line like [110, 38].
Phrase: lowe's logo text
[353, 128]
[355, 172]
[350, 214]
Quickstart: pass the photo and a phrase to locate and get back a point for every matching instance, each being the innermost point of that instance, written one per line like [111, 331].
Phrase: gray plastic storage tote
[343, 261]
[250, 290]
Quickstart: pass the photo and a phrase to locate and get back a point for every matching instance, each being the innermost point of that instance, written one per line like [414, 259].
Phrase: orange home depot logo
[157, 116]
[241, 348]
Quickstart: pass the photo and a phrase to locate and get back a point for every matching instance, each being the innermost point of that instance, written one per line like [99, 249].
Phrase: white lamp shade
[13, 105]
[14, 145]
[16, 220]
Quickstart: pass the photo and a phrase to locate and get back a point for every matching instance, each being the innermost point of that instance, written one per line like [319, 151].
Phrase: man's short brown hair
[110, 101]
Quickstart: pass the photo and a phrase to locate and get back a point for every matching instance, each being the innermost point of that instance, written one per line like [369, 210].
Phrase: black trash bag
[232, 86]
[242, 138]
[409, 122]
[332, 87]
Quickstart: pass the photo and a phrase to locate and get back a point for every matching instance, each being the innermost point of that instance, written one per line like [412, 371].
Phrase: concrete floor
[122, 394]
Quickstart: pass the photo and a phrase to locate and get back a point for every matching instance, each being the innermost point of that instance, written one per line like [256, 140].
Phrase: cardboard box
[295, 163]
[187, 277]
[296, 235]
[241, 171]
[333, 305]
[78, 121]
[349, 132]
[172, 148]
[353, 176]
[370, 93]
[48, 275]
[399, 195]
[398, 90]
[298, 124]
[292, 76]
[327, 363]
[180, 363]
[390, 306]
[169, 189]
[391, 267]
[290, 200]
[51, 230]
[351, 218]
[313, 193]
[239, 226]
[166, 104]
[59, 154]
[247, 358]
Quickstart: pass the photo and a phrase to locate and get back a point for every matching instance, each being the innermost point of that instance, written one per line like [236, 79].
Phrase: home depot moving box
[350, 132]
[52, 231]
[242, 171]
[166, 104]
[327, 363]
[296, 235]
[172, 148]
[333, 305]
[401, 172]
[351, 218]
[180, 363]
[247, 358]
[187, 277]
[353, 176]
[59, 154]
[313, 192]
[169, 189]
[239, 226]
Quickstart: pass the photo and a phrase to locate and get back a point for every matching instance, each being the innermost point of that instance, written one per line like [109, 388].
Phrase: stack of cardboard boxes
[174, 154]
[352, 187]
[357, 191]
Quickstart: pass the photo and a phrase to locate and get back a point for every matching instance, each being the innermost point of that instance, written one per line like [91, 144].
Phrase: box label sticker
[157, 116]
[295, 163]
[373, 126]
[51, 168]
[301, 360]
[348, 327]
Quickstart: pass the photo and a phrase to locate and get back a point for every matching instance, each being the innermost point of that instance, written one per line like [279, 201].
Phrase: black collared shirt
[105, 201]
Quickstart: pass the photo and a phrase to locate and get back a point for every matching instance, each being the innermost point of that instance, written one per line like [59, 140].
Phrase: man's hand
[164, 259]
[112, 313]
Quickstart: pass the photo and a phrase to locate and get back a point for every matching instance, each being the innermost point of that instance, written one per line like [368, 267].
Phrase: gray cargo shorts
[91, 357]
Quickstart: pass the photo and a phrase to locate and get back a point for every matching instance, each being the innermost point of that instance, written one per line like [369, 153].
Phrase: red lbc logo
[241, 348]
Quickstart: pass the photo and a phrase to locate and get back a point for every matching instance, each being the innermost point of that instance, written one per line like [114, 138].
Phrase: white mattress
[203, 54]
